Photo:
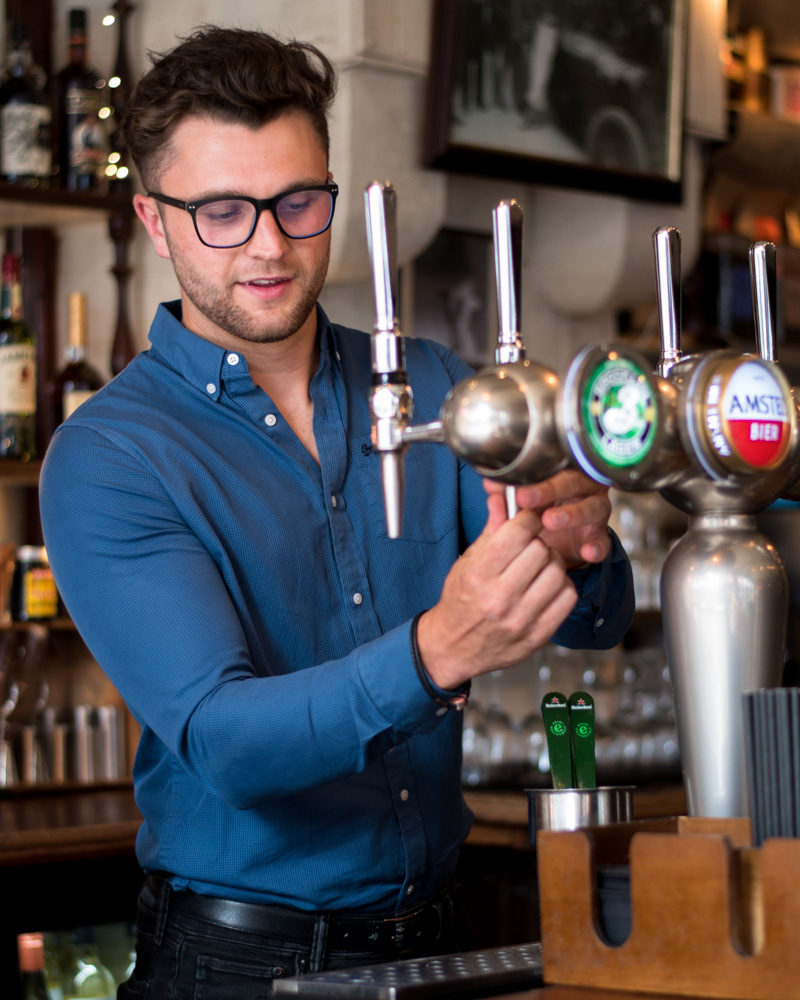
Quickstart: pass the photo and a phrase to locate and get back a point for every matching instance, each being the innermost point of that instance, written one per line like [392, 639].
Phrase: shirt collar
[206, 365]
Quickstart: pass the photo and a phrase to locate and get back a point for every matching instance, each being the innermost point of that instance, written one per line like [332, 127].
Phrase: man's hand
[502, 600]
[574, 511]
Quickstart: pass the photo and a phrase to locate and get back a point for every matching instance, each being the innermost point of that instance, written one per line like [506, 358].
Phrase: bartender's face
[266, 289]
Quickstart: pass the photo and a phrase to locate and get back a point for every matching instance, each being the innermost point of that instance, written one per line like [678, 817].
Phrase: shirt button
[357, 598]
[233, 359]
[270, 420]
[333, 500]
[600, 621]
[404, 795]
[410, 890]
[211, 388]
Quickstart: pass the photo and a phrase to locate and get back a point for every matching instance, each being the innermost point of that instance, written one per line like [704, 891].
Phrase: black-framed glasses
[222, 223]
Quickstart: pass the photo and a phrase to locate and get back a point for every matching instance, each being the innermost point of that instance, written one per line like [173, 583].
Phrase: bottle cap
[30, 948]
[77, 19]
[11, 267]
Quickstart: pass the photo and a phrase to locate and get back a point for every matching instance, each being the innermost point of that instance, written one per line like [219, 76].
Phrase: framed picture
[574, 93]
[454, 298]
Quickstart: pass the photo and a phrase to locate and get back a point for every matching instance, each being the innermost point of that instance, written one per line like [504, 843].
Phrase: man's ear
[147, 210]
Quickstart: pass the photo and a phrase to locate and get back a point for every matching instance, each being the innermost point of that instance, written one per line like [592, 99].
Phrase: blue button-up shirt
[251, 610]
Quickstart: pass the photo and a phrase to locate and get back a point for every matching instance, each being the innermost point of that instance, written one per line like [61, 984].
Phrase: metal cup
[576, 808]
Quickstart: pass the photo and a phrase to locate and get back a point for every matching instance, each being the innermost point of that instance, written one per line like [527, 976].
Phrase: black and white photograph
[454, 297]
[581, 93]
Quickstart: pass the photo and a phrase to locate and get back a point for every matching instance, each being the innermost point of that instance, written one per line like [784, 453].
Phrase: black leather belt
[387, 935]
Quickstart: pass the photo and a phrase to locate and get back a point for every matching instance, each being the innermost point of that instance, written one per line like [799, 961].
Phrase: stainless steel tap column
[715, 434]
[724, 593]
[391, 399]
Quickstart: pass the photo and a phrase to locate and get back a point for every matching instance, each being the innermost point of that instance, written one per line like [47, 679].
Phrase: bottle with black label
[77, 380]
[25, 116]
[82, 115]
[17, 368]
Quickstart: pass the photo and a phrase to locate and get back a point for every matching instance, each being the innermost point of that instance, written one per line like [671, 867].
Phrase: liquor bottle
[17, 369]
[82, 113]
[85, 975]
[30, 948]
[25, 116]
[77, 380]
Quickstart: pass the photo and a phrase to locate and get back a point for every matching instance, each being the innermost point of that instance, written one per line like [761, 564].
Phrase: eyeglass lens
[300, 214]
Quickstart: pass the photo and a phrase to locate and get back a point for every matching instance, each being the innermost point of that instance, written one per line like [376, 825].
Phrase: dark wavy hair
[235, 75]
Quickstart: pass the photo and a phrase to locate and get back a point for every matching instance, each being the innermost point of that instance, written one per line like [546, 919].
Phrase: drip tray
[469, 973]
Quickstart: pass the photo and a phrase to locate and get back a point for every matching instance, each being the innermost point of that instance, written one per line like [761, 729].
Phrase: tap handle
[507, 229]
[381, 211]
[764, 285]
[391, 400]
[667, 246]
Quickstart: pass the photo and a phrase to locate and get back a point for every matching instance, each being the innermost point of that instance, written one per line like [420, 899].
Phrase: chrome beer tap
[500, 419]
[762, 257]
[391, 398]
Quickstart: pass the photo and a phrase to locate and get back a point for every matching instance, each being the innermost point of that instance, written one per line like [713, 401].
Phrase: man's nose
[267, 238]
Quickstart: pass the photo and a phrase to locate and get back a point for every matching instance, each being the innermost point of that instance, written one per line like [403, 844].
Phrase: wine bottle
[120, 84]
[85, 975]
[30, 948]
[82, 115]
[17, 369]
[25, 116]
[77, 380]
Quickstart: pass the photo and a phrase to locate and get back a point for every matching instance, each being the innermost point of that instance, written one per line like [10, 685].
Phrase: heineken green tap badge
[619, 411]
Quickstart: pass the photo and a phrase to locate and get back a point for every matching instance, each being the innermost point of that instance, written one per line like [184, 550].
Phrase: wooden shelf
[52, 624]
[763, 153]
[73, 824]
[32, 207]
[16, 473]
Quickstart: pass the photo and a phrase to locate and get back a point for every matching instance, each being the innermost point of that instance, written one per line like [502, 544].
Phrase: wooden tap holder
[710, 915]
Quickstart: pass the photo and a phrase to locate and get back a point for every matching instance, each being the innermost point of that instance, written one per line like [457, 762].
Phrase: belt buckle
[394, 930]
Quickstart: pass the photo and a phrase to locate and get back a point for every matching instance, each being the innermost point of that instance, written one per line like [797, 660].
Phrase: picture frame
[454, 300]
[584, 94]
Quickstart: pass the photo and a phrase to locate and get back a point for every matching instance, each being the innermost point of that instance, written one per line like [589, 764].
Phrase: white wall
[585, 255]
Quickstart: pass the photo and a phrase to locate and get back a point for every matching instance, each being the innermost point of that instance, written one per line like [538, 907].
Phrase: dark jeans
[185, 957]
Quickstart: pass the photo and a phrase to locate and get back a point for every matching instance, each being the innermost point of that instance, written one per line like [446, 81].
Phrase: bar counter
[80, 824]
[68, 859]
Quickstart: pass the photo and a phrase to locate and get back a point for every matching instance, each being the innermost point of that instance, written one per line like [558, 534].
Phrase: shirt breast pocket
[430, 507]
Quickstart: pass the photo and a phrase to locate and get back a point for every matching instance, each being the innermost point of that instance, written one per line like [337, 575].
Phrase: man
[214, 520]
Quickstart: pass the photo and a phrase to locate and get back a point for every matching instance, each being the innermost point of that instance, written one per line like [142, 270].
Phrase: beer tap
[762, 257]
[501, 419]
[667, 246]
[391, 398]
[726, 423]
[507, 233]
[715, 433]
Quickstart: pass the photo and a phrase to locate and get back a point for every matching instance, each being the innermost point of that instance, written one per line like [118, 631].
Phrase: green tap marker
[555, 713]
[581, 718]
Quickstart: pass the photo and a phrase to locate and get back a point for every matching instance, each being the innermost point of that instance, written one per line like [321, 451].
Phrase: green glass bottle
[17, 368]
[85, 976]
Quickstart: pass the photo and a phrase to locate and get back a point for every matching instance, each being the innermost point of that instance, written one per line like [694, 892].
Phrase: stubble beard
[217, 305]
